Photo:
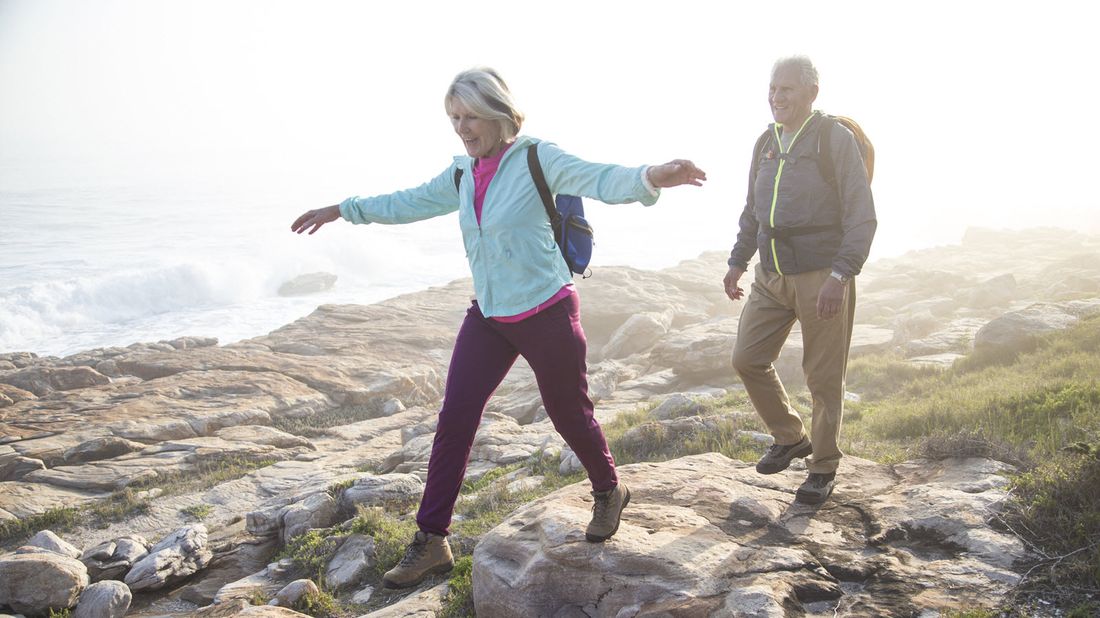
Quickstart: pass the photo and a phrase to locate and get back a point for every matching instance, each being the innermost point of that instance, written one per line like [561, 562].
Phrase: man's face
[790, 100]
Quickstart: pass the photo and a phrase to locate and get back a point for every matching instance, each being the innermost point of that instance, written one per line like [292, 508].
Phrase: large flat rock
[705, 535]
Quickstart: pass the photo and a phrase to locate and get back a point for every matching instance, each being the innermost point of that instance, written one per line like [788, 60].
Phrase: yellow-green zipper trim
[778, 174]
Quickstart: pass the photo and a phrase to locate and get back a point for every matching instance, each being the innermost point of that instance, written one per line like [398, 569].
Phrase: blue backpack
[571, 231]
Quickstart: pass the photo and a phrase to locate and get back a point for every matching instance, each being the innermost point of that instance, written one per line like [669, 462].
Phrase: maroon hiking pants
[554, 345]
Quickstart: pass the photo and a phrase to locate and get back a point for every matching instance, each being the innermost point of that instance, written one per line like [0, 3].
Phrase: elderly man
[813, 233]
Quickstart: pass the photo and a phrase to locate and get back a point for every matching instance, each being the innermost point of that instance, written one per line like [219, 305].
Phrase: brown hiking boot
[779, 457]
[607, 509]
[428, 554]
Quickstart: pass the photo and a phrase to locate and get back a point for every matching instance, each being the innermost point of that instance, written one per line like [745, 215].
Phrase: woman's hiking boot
[428, 554]
[817, 488]
[607, 510]
[779, 457]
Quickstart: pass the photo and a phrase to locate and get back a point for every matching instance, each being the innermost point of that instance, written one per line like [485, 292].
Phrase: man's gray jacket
[801, 221]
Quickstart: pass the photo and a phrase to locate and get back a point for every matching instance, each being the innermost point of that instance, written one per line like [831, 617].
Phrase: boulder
[293, 592]
[995, 292]
[101, 448]
[14, 467]
[237, 558]
[112, 559]
[37, 582]
[309, 283]
[107, 599]
[177, 556]
[677, 404]
[637, 334]
[699, 352]
[14, 394]
[380, 490]
[1017, 330]
[957, 337]
[49, 541]
[316, 511]
[350, 564]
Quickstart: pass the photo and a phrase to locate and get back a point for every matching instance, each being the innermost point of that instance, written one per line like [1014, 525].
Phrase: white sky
[964, 101]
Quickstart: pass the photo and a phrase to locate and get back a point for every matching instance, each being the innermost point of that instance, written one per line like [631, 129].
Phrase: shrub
[976, 442]
[459, 601]
[311, 552]
[390, 534]
[1055, 508]
[318, 604]
[58, 520]
[197, 511]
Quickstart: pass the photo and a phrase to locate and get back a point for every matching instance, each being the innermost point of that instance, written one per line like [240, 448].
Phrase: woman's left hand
[675, 173]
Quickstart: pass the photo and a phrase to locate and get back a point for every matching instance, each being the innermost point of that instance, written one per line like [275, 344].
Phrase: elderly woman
[525, 303]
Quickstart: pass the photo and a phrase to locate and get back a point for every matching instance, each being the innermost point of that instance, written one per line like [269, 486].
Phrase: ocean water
[104, 254]
[91, 266]
[85, 264]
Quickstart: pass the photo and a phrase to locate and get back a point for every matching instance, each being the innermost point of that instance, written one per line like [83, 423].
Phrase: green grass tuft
[319, 605]
[459, 600]
[391, 535]
[311, 552]
[57, 520]
[197, 511]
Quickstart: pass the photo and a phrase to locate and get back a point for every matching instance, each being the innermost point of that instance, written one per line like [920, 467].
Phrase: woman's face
[481, 137]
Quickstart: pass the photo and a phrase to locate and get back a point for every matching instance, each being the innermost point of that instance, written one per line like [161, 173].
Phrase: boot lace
[414, 551]
[600, 504]
[776, 450]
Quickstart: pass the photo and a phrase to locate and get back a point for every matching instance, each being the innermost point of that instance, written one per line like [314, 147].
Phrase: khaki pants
[774, 303]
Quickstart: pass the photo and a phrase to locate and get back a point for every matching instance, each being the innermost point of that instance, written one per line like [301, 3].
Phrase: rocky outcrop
[113, 559]
[176, 557]
[708, 536]
[425, 604]
[348, 395]
[1016, 330]
[33, 583]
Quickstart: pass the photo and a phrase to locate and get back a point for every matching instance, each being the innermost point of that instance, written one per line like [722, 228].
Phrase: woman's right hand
[315, 219]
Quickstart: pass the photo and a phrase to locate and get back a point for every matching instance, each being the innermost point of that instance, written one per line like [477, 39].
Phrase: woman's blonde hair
[483, 92]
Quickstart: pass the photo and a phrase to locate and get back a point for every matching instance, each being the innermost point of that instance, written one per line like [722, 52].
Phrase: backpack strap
[458, 177]
[544, 189]
[754, 167]
[825, 150]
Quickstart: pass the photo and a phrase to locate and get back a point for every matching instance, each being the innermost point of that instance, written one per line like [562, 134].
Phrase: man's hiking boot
[607, 509]
[817, 488]
[779, 457]
[428, 554]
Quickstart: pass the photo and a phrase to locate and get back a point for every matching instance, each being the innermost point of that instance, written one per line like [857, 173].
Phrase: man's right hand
[730, 281]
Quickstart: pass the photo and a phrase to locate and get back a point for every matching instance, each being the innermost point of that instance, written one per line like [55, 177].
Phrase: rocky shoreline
[345, 398]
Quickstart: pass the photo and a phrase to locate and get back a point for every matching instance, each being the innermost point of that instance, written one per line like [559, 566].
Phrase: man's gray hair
[807, 74]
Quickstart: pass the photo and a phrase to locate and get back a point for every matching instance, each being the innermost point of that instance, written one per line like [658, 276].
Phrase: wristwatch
[839, 277]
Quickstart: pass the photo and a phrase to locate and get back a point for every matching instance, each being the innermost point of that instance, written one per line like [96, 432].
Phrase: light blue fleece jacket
[513, 257]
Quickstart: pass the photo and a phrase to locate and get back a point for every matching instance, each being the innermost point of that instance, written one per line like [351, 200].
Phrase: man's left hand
[829, 298]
